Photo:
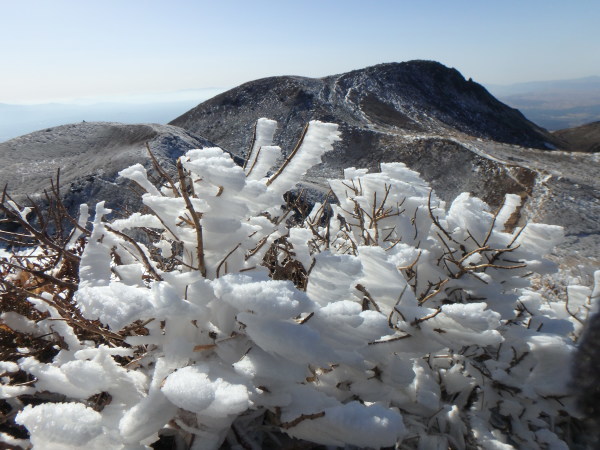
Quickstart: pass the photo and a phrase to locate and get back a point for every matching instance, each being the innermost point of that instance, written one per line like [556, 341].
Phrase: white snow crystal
[263, 138]
[8, 366]
[277, 299]
[138, 174]
[319, 138]
[60, 425]
[189, 388]
[115, 305]
[192, 388]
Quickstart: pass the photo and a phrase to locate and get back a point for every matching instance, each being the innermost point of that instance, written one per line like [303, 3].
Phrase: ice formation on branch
[407, 322]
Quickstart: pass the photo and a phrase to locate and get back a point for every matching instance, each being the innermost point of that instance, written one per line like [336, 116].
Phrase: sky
[62, 50]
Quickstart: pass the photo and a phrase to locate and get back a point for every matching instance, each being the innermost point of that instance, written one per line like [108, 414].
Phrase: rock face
[585, 138]
[428, 116]
[89, 155]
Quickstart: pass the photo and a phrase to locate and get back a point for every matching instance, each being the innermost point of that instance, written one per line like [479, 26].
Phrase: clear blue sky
[53, 49]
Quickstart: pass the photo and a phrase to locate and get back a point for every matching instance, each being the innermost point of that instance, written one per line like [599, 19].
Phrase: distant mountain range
[554, 104]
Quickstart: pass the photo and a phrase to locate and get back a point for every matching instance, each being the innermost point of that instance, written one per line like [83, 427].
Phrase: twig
[396, 304]
[35, 234]
[435, 220]
[145, 260]
[162, 171]
[427, 317]
[254, 162]
[195, 218]
[364, 291]
[437, 291]
[290, 157]
[227, 256]
[41, 274]
[251, 147]
[394, 339]
[302, 418]
[306, 319]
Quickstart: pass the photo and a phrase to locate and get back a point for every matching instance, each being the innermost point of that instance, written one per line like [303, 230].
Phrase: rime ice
[400, 318]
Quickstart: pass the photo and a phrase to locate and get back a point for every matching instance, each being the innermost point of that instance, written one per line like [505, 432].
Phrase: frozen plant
[403, 322]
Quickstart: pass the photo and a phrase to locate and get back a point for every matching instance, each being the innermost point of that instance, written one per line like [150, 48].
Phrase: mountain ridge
[388, 112]
[425, 92]
[584, 138]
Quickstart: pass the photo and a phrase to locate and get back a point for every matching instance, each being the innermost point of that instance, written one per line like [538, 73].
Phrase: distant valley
[554, 105]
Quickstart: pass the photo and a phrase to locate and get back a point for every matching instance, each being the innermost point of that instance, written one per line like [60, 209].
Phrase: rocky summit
[414, 96]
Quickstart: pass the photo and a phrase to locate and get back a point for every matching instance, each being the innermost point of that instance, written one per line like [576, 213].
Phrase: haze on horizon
[64, 50]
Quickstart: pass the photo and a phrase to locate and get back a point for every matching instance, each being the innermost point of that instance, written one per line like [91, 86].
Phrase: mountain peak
[393, 97]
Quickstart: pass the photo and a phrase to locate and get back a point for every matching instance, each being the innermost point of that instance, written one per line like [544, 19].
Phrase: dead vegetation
[46, 244]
